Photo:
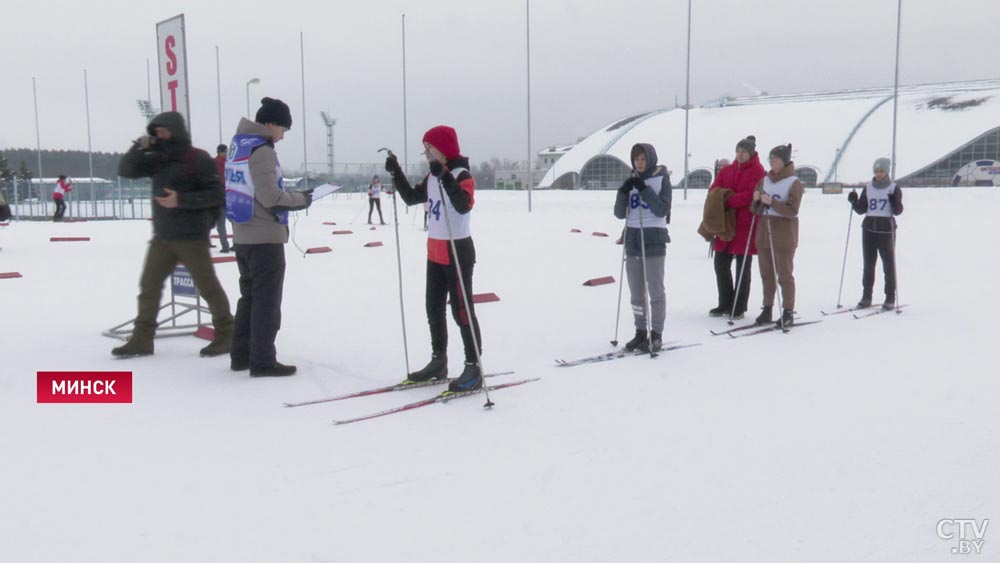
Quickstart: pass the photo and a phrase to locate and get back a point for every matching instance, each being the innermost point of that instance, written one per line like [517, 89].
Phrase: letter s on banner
[171, 46]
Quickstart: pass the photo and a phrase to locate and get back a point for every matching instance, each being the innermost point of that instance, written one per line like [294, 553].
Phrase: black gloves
[633, 183]
[392, 165]
[437, 169]
[852, 197]
[309, 200]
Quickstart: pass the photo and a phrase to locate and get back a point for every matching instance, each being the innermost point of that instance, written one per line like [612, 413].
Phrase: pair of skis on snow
[444, 397]
[865, 312]
[618, 354]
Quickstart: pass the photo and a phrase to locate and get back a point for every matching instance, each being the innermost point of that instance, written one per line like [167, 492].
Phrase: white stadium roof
[934, 121]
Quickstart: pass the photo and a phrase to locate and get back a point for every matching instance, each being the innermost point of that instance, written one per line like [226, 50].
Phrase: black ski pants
[258, 312]
[873, 245]
[442, 282]
[724, 280]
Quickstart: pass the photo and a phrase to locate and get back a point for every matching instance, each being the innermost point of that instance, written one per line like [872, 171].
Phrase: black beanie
[221, 148]
[274, 111]
[749, 144]
[784, 152]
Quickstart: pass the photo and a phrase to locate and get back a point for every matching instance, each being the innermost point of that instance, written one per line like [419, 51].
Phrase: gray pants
[657, 292]
[220, 226]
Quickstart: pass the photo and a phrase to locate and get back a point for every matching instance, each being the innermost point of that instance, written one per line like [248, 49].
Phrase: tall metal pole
[218, 89]
[90, 151]
[527, 39]
[38, 145]
[895, 87]
[687, 103]
[406, 137]
[149, 85]
[305, 160]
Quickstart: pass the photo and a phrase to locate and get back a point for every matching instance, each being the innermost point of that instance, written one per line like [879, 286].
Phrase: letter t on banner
[171, 49]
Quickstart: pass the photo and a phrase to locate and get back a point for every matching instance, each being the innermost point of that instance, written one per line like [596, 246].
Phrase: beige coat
[263, 227]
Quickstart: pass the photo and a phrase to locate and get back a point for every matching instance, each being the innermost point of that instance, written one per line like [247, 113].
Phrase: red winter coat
[742, 179]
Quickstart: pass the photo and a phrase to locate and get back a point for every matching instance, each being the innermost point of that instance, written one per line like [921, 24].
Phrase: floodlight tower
[146, 109]
[329, 122]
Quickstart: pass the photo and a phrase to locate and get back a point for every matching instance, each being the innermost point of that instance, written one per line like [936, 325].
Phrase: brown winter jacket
[784, 228]
[717, 219]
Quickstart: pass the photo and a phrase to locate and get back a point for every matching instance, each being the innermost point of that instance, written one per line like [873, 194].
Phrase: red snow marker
[69, 239]
[205, 332]
[599, 281]
[575, 231]
[483, 298]
[599, 234]
[319, 250]
[10, 275]
[373, 244]
[223, 259]
[343, 232]
[217, 236]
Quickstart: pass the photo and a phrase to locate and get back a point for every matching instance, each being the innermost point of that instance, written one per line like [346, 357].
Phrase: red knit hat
[444, 139]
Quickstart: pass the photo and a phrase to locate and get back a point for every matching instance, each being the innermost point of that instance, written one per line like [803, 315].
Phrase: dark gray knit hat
[274, 111]
[749, 144]
[883, 164]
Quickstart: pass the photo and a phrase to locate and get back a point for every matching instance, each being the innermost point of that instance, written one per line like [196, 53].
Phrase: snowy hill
[846, 440]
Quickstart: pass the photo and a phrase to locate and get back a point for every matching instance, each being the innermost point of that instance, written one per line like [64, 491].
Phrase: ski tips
[387, 150]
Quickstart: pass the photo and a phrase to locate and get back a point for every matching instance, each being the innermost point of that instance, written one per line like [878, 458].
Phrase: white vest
[778, 191]
[239, 182]
[461, 225]
[878, 200]
[375, 192]
[639, 214]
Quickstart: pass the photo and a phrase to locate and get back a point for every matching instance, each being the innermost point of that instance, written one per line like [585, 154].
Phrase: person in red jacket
[220, 222]
[742, 177]
[63, 187]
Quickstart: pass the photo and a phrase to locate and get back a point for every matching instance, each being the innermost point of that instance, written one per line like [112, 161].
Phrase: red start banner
[84, 387]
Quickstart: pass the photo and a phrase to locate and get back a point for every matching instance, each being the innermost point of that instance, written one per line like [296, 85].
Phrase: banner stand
[181, 287]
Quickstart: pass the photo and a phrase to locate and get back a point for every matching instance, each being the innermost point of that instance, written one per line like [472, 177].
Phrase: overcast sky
[591, 62]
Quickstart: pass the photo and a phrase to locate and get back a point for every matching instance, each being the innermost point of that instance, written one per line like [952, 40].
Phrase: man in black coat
[187, 194]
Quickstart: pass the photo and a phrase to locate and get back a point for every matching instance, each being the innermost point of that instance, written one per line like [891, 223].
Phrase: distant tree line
[55, 162]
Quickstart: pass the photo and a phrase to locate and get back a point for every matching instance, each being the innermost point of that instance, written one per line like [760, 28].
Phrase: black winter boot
[436, 369]
[889, 303]
[765, 315]
[133, 348]
[787, 318]
[655, 342]
[470, 380]
[864, 303]
[276, 370]
[637, 342]
[719, 311]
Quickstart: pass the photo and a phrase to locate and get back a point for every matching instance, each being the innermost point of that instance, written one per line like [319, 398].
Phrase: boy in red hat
[449, 190]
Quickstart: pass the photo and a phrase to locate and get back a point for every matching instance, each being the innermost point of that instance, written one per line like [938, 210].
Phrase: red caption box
[84, 387]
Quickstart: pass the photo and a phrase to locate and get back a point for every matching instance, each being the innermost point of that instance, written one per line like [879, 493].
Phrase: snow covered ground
[842, 441]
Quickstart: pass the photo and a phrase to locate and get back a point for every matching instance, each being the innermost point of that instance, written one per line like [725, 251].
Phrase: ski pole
[399, 271]
[895, 276]
[743, 267]
[843, 268]
[774, 266]
[465, 294]
[621, 278]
